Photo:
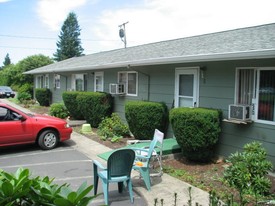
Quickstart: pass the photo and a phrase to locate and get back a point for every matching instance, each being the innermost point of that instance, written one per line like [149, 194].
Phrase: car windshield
[4, 88]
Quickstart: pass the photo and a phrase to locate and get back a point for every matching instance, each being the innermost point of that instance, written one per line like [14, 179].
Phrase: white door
[186, 87]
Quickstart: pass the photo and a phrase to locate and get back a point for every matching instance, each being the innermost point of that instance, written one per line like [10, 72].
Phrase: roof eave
[261, 54]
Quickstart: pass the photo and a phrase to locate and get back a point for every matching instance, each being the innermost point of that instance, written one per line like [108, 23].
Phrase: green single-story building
[232, 70]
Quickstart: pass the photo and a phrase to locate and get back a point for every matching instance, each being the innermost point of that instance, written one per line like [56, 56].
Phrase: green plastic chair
[119, 167]
[143, 157]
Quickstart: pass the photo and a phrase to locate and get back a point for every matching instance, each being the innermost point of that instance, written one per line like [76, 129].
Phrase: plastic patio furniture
[119, 167]
[144, 156]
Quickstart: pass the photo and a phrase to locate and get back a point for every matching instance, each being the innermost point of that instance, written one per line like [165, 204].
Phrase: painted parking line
[9, 156]
[46, 163]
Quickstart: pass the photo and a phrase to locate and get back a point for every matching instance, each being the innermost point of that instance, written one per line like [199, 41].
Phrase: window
[40, 81]
[256, 87]
[78, 82]
[46, 81]
[130, 81]
[57, 81]
[98, 82]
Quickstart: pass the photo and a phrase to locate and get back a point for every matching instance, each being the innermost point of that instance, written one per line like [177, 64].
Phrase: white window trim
[256, 92]
[126, 83]
[74, 81]
[102, 84]
[47, 81]
[38, 81]
[57, 76]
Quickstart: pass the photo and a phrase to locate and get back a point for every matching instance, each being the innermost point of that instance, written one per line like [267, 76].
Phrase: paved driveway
[65, 164]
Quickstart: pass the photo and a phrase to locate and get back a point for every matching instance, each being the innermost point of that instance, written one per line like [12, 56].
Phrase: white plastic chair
[156, 157]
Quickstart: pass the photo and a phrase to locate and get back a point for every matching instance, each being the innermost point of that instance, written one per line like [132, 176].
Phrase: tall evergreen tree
[7, 60]
[69, 44]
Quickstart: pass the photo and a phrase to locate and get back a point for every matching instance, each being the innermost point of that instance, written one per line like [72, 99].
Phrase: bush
[27, 87]
[69, 99]
[59, 110]
[21, 189]
[95, 106]
[144, 117]
[112, 126]
[43, 96]
[23, 96]
[247, 171]
[197, 131]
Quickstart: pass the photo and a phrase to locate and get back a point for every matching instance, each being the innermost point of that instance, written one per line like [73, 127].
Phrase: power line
[17, 47]
[35, 48]
[44, 38]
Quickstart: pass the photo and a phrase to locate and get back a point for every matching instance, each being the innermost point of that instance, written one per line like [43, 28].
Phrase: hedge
[43, 96]
[69, 99]
[197, 131]
[144, 117]
[95, 106]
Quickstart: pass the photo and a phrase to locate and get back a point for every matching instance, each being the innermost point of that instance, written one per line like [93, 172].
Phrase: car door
[13, 130]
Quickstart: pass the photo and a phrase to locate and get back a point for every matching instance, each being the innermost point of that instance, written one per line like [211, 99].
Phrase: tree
[69, 44]
[7, 60]
[12, 75]
[29, 63]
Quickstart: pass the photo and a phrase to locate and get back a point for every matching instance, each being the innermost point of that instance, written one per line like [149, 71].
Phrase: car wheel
[48, 139]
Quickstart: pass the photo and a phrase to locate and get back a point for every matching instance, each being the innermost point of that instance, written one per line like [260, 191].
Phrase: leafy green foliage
[43, 96]
[12, 75]
[247, 171]
[23, 96]
[69, 44]
[59, 110]
[112, 127]
[95, 106]
[144, 117]
[27, 64]
[19, 189]
[197, 131]
[69, 99]
[27, 87]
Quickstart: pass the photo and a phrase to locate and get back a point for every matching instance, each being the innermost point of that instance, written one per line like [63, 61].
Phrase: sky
[29, 27]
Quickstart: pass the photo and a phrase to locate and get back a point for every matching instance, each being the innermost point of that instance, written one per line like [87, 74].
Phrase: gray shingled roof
[245, 43]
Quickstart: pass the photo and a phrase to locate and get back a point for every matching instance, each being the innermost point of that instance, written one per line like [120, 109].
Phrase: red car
[17, 127]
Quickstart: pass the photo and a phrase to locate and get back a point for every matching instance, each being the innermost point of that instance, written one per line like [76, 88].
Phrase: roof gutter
[261, 54]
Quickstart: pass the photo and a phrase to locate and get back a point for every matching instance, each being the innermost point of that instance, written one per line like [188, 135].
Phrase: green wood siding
[216, 90]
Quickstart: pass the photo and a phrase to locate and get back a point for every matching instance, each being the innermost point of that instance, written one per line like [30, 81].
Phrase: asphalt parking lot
[65, 164]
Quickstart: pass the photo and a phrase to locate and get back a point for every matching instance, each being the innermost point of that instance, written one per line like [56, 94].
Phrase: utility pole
[122, 33]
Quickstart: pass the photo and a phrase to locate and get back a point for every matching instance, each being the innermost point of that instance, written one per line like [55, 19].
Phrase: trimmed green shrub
[59, 110]
[23, 96]
[43, 96]
[247, 171]
[95, 106]
[69, 99]
[144, 117]
[112, 127]
[197, 131]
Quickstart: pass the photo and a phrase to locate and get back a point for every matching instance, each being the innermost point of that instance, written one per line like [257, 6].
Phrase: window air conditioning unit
[239, 112]
[117, 89]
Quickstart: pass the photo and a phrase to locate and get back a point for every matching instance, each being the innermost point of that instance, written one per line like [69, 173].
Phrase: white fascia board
[183, 59]
[261, 54]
